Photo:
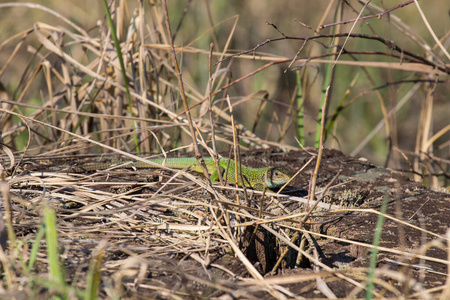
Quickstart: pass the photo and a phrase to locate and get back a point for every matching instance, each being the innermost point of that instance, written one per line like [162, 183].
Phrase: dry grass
[63, 94]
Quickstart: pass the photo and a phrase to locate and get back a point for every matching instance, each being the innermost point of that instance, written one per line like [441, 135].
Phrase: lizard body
[254, 178]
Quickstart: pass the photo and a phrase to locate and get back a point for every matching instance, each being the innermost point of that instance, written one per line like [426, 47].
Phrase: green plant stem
[122, 66]
[374, 252]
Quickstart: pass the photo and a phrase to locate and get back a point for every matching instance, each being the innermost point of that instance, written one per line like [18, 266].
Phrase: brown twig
[378, 16]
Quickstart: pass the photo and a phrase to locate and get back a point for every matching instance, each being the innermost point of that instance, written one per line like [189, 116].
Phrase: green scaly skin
[254, 178]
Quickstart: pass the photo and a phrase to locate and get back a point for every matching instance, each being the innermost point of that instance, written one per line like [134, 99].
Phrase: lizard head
[276, 177]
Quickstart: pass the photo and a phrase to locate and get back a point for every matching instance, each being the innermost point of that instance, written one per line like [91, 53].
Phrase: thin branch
[378, 16]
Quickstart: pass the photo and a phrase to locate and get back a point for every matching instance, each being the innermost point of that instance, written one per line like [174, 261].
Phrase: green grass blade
[326, 82]
[340, 107]
[122, 65]
[300, 111]
[326, 86]
[35, 248]
[374, 252]
[51, 237]
[93, 279]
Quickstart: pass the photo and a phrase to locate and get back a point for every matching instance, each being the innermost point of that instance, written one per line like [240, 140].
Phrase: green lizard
[254, 178]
